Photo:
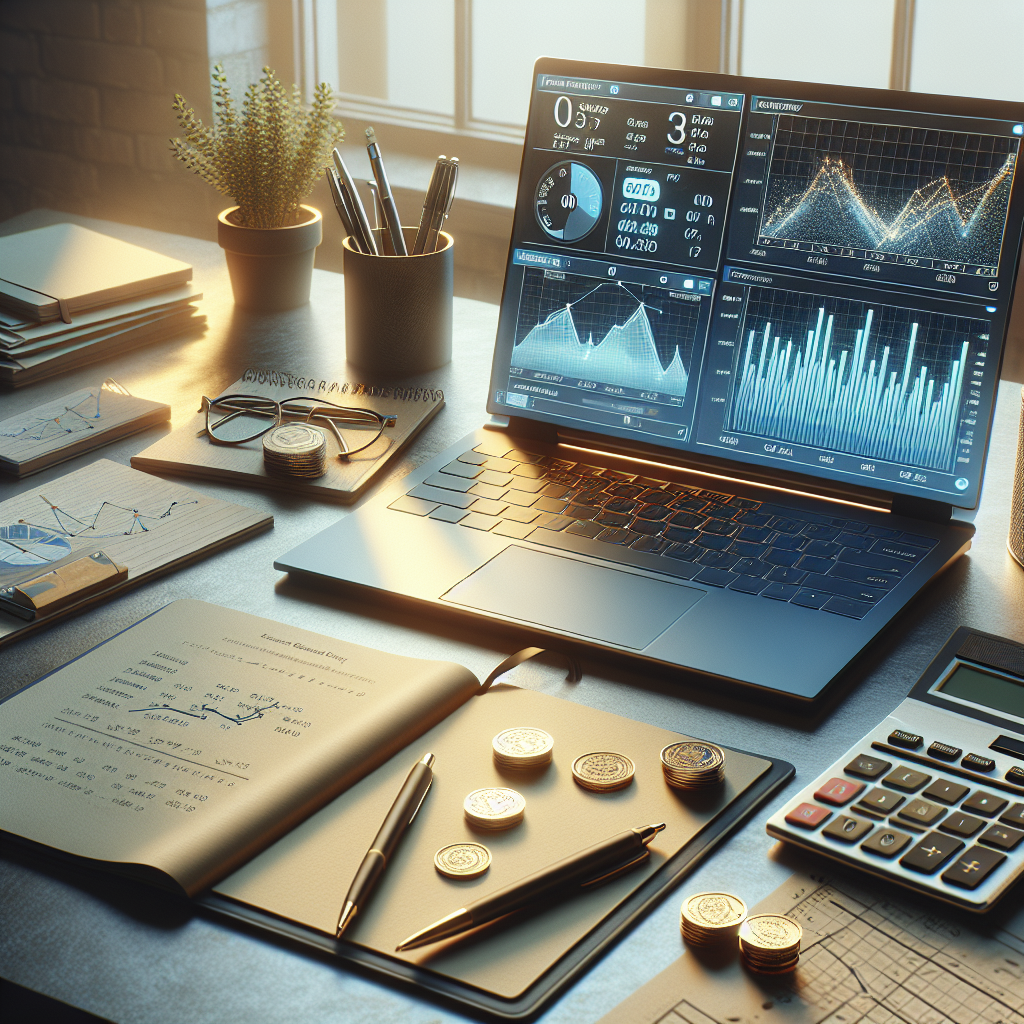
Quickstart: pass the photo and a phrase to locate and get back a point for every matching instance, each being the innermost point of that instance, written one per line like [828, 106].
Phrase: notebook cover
[509, 970]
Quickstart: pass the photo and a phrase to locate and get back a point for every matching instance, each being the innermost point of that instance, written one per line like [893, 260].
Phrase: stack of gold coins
[526, 747]
[711, 917]
[692, 764]
[462, 860]
[603, 771]
[494, 808]
[770, 943]
[295, 449]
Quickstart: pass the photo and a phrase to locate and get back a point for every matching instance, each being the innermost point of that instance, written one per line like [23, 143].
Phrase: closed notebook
[69, 264]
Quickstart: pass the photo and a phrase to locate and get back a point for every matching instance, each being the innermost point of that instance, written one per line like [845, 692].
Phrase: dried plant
[269, 157]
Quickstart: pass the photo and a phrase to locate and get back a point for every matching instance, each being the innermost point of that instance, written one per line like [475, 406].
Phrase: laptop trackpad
[578, 597]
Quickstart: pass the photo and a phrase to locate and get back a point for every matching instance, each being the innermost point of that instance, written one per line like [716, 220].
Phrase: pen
[437, 211]
[428, 205]
[355, 204]
[387, 200]
[621, 851]
[343, 211]
[379, 224]
[399, 818]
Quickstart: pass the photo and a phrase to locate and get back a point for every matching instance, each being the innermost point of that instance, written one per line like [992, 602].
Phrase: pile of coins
[295, 449]
[462, 860]
[603, 771]
[526, 747]
[494, 808]
[770, 943]
[711, 917]
[692, 764]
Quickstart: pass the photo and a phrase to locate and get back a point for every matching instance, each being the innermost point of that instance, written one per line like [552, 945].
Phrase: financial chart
[922, 193]
[628, 335]
[873, 380]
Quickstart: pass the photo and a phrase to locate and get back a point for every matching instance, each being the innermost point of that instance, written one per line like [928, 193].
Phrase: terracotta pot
[270, 268]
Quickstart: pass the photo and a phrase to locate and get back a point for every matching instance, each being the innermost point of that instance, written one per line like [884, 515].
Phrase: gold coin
[770, 933]
[294, 439]
[462, 860]
[603, 770]
[690, 755]
[494, 807]
[714, 910]
[523, 747]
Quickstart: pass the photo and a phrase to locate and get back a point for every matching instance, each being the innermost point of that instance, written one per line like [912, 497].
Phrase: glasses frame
[293, 407]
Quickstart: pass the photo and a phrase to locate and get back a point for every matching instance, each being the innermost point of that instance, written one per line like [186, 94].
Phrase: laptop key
[747, 584]
[583, 511]
[717, 559]
[684, 552]
[753, 519]
[549, 505]
[881, 531]
[655, 545]
[415, 506]
[747, 549]
[820, 531]
[750, 567]
[680, 536]
[557, 523]
[520, 455]
[467, 470]
[585, 529]
[478, 521]
[844, 606]
[518, 531]
[520, 515]
[450, 483]
[719, 527]
[522, 469]
[484, 506]
[823, 549]
[861, 574]
[786, 525]
[784, 542]
[516, 498]
[898, 549]
[442, 497]
[647, 528]
[625, 490]
[852, 540]
[500, 465]
[758, 534]
[551, 490]
[809, 598]
[780, 591]
[447, 514]
[492, 447]
[784, 558]
[472, 458]
[744, 503]
[868, 559]
[714, 577]
[655, 513]
[783, 574]
[520, 483]
[612, 519]
[487, 491]
[624, 505]
[812, 563]
[616, 535]
[714, 541]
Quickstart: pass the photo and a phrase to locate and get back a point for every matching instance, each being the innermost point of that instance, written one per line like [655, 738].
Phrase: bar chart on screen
[876, 380]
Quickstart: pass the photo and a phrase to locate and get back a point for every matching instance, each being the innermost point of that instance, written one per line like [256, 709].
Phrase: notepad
[66, 264]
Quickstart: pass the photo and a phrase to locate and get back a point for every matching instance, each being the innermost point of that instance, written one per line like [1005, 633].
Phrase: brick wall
[85, 109]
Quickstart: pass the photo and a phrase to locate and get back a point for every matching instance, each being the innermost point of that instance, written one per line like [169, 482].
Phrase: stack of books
[70, 296]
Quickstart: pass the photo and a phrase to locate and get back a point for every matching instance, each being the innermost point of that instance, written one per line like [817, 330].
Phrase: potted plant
[267, 158]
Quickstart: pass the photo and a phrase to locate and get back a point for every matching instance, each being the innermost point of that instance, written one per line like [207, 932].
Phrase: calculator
[933, 797]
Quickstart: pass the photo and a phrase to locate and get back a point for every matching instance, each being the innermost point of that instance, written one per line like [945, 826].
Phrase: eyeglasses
[237, 419]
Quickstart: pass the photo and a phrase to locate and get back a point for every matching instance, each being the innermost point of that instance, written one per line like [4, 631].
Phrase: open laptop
[745, 369]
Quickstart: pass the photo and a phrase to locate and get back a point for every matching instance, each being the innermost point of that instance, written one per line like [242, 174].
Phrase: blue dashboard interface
[791, 277]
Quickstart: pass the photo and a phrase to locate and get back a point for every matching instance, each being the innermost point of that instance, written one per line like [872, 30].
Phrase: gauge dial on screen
[568, 201]
[22, 545]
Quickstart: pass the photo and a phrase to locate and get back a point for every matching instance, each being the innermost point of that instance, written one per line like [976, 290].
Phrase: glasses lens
[355, 430]
[234, 419]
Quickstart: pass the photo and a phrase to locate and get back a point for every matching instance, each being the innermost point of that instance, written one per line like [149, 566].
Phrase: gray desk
[135, 958]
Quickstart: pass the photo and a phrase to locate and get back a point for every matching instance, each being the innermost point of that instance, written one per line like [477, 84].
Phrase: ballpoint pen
[343, 211]
[440, 203]
[379, 223]
[399, 818]
[595, 864]
[355, 204]
[428, 205]
[387, 201]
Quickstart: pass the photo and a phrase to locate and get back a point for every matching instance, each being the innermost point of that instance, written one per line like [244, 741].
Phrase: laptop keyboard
[837, 565]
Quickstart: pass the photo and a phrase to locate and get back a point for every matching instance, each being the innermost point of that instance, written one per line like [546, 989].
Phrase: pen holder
[398, 309]
[1015, 541]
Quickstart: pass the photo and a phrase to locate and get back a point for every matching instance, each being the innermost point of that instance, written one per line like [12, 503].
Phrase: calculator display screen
[998, 692]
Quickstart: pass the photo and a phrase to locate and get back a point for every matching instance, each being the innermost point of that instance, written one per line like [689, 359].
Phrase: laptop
[744, 372]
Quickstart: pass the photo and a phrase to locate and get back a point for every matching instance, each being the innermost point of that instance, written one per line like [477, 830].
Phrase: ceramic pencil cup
[398, 309]
[1015, 541]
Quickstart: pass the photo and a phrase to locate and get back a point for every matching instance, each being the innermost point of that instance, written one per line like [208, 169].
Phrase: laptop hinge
[535, 430]
[921, 508]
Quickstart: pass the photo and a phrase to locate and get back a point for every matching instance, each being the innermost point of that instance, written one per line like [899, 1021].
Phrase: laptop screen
[816, 278]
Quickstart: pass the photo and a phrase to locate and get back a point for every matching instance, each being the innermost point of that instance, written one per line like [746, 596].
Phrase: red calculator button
[838, 791]
[807, 816]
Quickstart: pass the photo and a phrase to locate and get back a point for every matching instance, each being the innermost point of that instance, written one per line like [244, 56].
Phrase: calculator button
[921, 812]
[901, 738]
[1008, 745]
[988, 805]
[944, 752]
[807, 816]
[946, 792]
[847, 830]
[977, 763]
[867, 767]
[1014, 816]
[1003, 836]
[906, 779]
[881, 800]
[970, 870]
[1015, 775]
[962, 824]
[931, 853]
[886, 843]
[838, 791]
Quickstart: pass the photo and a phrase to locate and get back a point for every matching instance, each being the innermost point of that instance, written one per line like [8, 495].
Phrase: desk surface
[134, 956]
